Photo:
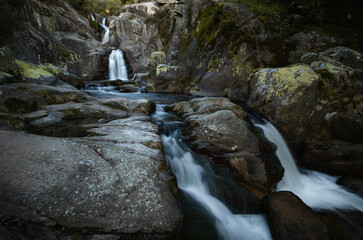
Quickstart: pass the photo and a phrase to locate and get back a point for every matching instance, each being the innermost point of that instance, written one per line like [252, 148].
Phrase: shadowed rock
[289, 218]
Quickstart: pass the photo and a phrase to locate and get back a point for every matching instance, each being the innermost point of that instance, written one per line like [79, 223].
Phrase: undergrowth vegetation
[265, 7]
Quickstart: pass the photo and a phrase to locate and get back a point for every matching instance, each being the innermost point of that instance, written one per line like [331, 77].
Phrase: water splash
[318, 190]
[116, 66]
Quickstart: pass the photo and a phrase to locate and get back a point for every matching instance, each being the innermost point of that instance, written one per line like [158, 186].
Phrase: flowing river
[196, 179]
[204, 190]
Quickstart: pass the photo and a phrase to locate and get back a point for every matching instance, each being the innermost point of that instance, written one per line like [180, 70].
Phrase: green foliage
[218, 20]
[94, 24]
[163, 21]
[158, 16]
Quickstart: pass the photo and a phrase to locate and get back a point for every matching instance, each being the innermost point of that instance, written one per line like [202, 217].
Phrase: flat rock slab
[117, 182]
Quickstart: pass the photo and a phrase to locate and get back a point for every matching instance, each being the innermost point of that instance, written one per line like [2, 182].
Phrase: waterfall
[318, 190]
[93, 17]
[106, 36]
[190, 180]
[116, 66]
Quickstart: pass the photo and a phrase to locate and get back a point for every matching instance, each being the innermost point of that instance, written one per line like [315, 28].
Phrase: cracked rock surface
[115, 182]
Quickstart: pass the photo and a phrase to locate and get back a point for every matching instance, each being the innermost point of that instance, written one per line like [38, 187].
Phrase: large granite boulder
[344, 225]
[289, 218]
[318, 108]
[60, 93]
[168, 79]
[215, 127]
[287, 96]
[97, 187]
[220, 132]
[156, 58]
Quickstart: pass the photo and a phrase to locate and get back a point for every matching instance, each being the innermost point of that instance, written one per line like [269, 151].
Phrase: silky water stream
[215, 207]
[196, 183]
[317, 190]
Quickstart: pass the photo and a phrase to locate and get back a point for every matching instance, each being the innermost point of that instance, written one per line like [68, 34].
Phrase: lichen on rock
[156, 59]
[28, 70]
[286, 83]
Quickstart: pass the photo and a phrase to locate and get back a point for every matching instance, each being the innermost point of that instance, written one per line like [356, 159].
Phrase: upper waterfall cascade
[318, 190]
[116, 66]
[106, 36]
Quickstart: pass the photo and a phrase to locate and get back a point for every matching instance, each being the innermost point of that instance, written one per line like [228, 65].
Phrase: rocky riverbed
[76, 166]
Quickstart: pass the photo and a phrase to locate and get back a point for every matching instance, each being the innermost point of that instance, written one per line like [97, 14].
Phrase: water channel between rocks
[207, 187]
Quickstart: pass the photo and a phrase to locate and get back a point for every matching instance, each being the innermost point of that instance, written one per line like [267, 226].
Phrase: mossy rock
[7, 63]
[156, 58]
[162, 68]
[283, 83]
[67, 54]
[287, 96]
[49, 23]
[30, 71]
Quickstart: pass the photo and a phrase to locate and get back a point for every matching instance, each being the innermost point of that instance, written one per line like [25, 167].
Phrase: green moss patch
[6, 61]
[28, 70]
[66, 54]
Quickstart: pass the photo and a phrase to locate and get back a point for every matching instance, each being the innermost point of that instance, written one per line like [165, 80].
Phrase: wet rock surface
[290, 218]
[333, 157]
[215, 126]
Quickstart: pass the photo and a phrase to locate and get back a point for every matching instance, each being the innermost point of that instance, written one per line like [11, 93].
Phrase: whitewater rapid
[317, 190]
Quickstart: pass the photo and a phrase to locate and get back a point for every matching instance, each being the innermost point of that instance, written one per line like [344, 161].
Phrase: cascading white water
[93, 17]
[106, 36]
[318, 190]
[116, 66]
[189, 177]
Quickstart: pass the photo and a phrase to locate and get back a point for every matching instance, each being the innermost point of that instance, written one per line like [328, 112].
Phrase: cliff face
[54, 34]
